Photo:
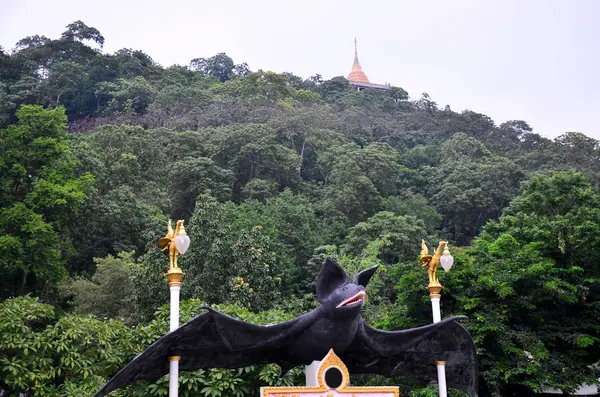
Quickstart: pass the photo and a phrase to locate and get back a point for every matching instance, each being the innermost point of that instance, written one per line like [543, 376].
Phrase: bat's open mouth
[358, 298]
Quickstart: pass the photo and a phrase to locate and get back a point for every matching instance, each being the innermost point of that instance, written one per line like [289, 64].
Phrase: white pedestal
[311, 373]
[173, 378]
[435, 306]
[441, 371]
[174, 312]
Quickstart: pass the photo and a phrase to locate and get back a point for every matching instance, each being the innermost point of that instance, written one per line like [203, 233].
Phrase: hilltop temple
[359, 79]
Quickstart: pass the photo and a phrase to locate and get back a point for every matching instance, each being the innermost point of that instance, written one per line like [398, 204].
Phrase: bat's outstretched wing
[413, 353]
[211, 340]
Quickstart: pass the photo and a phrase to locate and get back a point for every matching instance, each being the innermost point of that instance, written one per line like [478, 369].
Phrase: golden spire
[357, 75]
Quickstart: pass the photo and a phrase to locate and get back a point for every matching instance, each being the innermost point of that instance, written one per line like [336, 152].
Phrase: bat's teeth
[353, 299]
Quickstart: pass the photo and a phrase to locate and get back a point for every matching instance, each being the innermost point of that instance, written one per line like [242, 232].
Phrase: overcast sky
[532, 60]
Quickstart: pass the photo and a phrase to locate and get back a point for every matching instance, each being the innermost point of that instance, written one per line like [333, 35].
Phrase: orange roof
[357, 74]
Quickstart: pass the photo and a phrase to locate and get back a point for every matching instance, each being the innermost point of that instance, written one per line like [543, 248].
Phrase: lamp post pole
[177, 242]
[435, 289]
[174, 278]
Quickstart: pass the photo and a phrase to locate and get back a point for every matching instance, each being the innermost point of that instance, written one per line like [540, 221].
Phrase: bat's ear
[363, 277]
[330, 277]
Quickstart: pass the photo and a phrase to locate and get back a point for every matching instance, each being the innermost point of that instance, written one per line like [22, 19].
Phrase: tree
[80, 31]
[294, 230]
[408, 203]
[98, 295]
[472, 186]
[6, 69]
[225, 263]
[127, 210]
[251, 151]
[403, 232]
[300, 230]
[129, 64]
[68, 84]
[426, 103]
[515, 129]
[530, 289]
[134, 95]
[241, 69]
[397, 94]
[357, 178]
[541, 263]
[193, 176]
[63, 75]
[259, 189]
[350, 195]
[179, 106]
[39, 194]
[334, 89]
[308, 131]
[259, 87]
[220, 66]
[579, 152]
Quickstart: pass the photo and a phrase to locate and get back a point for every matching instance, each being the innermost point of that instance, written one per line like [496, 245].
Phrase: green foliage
[126, 211]
[403, 232]
[39, 194]
[80, 31]
[357, 178]
[408, 203]
[472, 186]
[45, 353]
[104, 294]
[220, 66]
[251, 151]
[229, 264]
[128, 95]
[528, 286]
[531, 288]
[190, 177]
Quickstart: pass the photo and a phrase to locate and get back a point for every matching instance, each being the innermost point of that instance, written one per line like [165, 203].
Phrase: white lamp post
[435, 289]
[177, 242]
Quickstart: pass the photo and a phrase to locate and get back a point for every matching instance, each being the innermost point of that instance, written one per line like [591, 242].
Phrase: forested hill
[272, 173]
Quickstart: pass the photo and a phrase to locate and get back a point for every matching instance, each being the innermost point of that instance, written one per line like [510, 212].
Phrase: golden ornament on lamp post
[435, 288]
[432, 263]
[176, 242]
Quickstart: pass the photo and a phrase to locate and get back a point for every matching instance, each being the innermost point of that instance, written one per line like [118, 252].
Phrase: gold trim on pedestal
[174, 276]
[440, 362]
[174, 358]
[331, 360]
[435, 290]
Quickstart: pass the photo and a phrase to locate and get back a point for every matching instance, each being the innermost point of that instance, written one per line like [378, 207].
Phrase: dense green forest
[273, 173]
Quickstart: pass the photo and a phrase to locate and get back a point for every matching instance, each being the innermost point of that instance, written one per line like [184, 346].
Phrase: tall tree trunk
[299, 167]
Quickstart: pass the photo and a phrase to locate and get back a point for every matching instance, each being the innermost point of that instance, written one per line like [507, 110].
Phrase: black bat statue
[215, 340]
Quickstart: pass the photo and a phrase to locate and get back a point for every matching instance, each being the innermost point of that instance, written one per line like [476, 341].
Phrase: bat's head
[336, 291]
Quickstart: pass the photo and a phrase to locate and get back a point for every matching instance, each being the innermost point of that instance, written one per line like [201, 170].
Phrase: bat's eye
[344, 289]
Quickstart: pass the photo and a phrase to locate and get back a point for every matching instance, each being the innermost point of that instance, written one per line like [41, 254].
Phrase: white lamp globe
[447, 260]
[182, 241]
